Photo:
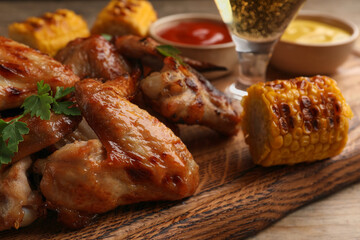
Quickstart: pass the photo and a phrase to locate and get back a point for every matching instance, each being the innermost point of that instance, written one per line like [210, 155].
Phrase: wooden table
[335, 217]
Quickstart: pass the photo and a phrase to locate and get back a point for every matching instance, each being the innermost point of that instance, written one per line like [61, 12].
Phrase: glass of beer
[255, 26]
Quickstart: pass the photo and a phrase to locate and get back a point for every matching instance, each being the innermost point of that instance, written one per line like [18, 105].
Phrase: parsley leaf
[3, 124]
[66, 108]
[43, 88]
[170, 51]
[61, 92]
[38, 106]
[5, 153]
[11, 133]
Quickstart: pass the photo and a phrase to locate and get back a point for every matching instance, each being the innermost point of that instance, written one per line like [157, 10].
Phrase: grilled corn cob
[50, 32]
[299, 120]
[121, 17]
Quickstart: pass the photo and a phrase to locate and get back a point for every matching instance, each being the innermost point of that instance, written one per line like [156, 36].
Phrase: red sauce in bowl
[197, 33]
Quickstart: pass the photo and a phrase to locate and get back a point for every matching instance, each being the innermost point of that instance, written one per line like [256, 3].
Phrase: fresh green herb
[39, 105]
[170, 51]
[11, 133]
[65, 108]
[106, 36]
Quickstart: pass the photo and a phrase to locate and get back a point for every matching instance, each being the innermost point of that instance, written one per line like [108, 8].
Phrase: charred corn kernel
[298, 120]
[50, 32]
[121, 17]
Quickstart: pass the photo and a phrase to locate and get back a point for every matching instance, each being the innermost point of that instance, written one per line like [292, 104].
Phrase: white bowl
[312, 59]
[218, 54]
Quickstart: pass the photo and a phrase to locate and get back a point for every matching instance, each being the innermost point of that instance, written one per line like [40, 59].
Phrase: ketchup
[197, 33]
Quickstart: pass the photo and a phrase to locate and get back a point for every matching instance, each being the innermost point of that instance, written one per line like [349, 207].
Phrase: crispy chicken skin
[19, 204]
[182, 95]
[22, 67]
[93, 57]
[135, 159]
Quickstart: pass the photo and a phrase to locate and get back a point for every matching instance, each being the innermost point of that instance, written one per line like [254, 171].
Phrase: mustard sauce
[313, 32]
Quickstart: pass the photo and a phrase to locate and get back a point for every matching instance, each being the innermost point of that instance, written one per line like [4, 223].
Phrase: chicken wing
[44, 133]
[96, 57]
[19, 204]
[137, 159]
[93, 57]
[132, 46]
[22, 67]
[182, 95]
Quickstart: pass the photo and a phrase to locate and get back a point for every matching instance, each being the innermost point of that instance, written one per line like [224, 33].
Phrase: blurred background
[11, 11]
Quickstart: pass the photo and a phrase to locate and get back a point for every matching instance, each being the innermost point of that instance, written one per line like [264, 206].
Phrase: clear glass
[255, 26]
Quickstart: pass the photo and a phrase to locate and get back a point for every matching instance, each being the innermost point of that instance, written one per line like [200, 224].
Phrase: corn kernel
[274, 129]
[277, 142]
[310, 149]
[326, 147]
[324, 136]
[339, 136]
[271, 96]
[314, 138]
[298, 120]
[297, 133]
[294, 146]
[332, 136]
[285, 153]
[287, 140]
[305, 140]
[318, 148]
[323, 123]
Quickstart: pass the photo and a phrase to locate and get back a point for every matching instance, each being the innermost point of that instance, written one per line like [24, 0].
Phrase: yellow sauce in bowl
[313, 32]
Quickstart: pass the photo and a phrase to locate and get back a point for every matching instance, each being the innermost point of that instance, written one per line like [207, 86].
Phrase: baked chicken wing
[178, 92]
[93, 57]
[135, 159]
[22, 67]
[19, 204]
[43, 133]
[182, 95]
[132, 46]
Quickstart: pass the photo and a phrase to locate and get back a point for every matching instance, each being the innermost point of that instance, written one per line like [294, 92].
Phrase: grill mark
[10, 70]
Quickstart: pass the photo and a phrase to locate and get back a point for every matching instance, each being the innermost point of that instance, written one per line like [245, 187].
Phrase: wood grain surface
[235, 199]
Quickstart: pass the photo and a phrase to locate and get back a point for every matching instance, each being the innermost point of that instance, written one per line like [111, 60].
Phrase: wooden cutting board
[235, 199]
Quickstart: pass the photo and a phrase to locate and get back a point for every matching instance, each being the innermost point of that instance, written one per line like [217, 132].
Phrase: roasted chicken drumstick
[137, 159]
